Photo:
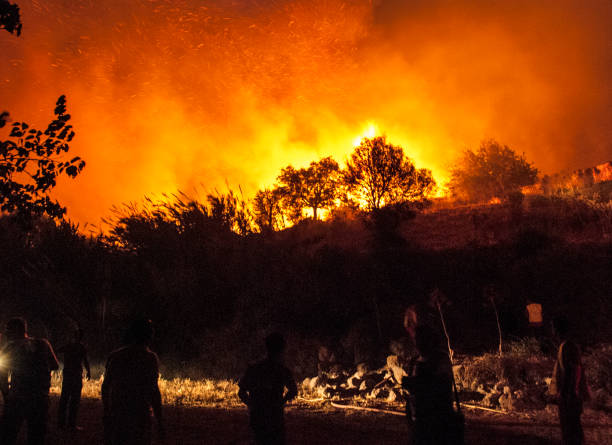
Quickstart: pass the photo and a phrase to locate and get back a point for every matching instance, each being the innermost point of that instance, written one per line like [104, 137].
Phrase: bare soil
[307, 425]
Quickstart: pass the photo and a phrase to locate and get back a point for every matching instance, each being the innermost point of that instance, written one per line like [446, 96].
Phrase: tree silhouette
[315, 187]
[378, 173]
[9, 17]
[31, 161]
[493, 171]
[268, 209]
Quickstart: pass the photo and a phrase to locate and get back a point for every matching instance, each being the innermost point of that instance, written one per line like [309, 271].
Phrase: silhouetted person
[430, 405]
[130, 389]
[265, 388]
[75, 357]
[569, 385]
[28, 362]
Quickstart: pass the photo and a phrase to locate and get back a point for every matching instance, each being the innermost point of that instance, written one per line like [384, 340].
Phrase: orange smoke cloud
[169, 95]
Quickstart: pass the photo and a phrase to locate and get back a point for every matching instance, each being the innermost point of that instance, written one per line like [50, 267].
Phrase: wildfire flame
[178, 94]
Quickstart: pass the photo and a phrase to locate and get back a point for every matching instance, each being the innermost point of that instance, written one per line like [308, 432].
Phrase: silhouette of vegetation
[10, 18]
[492, 171]
[268, 211]
[214, 293]
[30, 162]
[231, 211]
[314, 188]
[378, 173]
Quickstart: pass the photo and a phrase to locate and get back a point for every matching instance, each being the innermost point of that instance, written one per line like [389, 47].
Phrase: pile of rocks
[504, 384]
[334, 381]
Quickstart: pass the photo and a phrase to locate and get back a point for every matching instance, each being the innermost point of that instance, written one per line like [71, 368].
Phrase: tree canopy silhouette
[10, 18]
[315, 187]
[30, 162]
[267, 209]
[492, 171]
[378, 173]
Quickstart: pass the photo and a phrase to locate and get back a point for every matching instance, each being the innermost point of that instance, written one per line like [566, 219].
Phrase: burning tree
[378, 173]
[315, 187]
[30, 162]
[493, 171]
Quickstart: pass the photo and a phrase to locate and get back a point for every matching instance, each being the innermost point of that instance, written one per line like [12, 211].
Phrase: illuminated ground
[307, 425]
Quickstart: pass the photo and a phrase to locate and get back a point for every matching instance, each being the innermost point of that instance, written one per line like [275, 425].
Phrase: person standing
[130, 390]
[28, 362]
[75, 358]
[429, 407]
[265, 388]
[569, 384]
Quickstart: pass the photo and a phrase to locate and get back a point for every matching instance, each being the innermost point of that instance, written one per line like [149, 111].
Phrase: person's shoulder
[118, 353]
[285, 370]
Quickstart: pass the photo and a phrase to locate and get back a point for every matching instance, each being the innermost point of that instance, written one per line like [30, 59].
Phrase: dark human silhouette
[130, 390]
[75, 357]
[569, 384]
[28, 362]
[265, 388]
[429, 382]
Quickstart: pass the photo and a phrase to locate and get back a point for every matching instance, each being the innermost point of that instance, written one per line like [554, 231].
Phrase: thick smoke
[169, 95]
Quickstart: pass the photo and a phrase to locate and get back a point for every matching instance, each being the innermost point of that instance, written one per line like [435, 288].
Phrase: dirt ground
[325, 425]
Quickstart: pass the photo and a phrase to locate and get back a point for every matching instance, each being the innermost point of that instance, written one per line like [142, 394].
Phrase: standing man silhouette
[75, 357]
[569, 384]
[130, 390]
[265, 388]
[29, 362]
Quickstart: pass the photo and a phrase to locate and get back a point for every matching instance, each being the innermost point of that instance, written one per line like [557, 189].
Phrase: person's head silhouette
[140, 332]
[16, 328]
[275, 345]
[561, 327]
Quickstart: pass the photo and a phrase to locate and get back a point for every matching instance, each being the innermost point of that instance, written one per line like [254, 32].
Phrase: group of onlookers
[130, 389]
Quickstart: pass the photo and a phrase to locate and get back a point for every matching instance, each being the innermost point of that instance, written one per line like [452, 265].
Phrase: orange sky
[192, 94]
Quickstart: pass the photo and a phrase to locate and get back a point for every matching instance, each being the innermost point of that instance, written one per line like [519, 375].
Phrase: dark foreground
[311, 426]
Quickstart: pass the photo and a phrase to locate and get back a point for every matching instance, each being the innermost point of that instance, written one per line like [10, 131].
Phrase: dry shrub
[598, 365]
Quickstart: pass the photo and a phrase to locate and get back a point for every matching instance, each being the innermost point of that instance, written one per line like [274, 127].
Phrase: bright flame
[369, 132]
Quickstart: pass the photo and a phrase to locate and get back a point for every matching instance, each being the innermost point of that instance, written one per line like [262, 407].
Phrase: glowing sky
[169, 95]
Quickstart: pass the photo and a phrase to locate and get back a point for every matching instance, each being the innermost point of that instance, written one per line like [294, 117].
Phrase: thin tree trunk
[450, 350]
[499, 331]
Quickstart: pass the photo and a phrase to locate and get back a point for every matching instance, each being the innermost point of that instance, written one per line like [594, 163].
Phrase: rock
[393, 365]
[506, 401]
[491, 399]
[599, 398]
[355, 380]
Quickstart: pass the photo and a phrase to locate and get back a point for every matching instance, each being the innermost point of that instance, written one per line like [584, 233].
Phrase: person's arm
[243, 391]
[291, 388]
[4, 373]
[106, 386]
[86, 364]
[51, 357]
[156, 399]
